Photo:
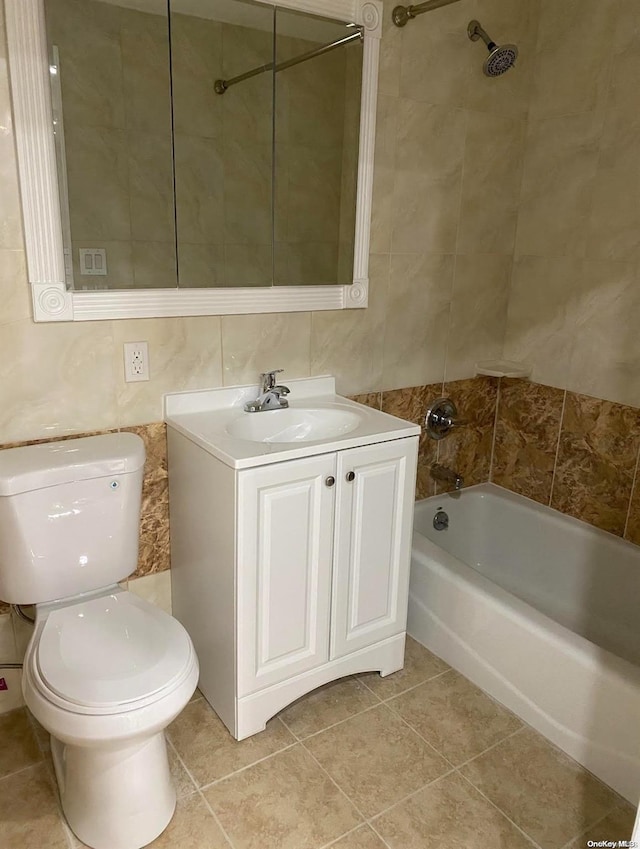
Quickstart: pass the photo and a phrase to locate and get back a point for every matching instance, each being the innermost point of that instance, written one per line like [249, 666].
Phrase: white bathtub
[541, 611]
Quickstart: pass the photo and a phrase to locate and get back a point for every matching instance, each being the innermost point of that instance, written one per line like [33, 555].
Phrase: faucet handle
[268, 379]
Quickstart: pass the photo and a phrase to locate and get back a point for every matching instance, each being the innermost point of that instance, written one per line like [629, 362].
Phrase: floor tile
[208, 750]
[181, 781]
[19, 747]
[361, 838]
[419, 666]
[326, 706]
[616, 826]
[283, 802]
[548, 795]
[376, 759]
[29, 813]
[193, 827]
[455, 716]
[448, 813]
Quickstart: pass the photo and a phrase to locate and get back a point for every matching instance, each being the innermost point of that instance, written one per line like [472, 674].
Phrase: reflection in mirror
[316, 148]
[223, 144]
[190, 143]
[111, 96]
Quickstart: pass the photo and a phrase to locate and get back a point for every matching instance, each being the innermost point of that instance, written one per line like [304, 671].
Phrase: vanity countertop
[208, 417]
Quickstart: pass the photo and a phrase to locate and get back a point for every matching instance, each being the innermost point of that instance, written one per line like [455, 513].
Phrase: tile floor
[419, 760]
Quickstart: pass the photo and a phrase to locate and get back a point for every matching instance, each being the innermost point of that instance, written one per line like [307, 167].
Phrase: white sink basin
[297, 424]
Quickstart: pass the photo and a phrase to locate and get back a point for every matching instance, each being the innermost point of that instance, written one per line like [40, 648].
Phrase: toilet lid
[111, 650]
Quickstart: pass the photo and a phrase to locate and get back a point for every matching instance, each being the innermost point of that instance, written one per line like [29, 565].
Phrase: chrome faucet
[271, 396]
[445, 475]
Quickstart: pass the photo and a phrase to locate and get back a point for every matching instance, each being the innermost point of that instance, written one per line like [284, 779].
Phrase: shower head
[501, 57]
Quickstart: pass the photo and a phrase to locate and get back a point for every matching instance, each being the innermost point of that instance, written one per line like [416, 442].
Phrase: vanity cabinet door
[374, 521]
[284, 556]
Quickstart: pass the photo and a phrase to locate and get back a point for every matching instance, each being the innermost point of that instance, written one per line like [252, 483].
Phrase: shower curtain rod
[222, 85]
[403, 14]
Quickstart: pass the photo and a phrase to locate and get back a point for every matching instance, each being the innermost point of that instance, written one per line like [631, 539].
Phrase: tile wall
[574, 302]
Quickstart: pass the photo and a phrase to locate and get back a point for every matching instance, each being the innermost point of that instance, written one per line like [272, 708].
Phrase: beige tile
[97, 156]
[478, 312]
[347, 343]
[541, 315]
[605, 360]
[616, 826]
[144, 40]
[493, 158]
[376, 759]
[19, 746]
[208, 750]
[154, 265]
[573, 56]
[192, 827]
[549, 796]
[284, 802]
[184, 353]
[64, 362]
[417, 319]
[154, 588]
[29, 814]
[419, 666]
[361, 838]
[151, 187]
[456, 717]
[430, 151]
[196, 59]
[119, 265]
[326, 706]
[448, 813]
[559, 176]
[247, 193]
[199, 174]
[15, 292]
[180, 777]
[254, 343]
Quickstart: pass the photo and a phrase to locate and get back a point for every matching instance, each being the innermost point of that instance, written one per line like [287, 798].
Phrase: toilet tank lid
[32, 467]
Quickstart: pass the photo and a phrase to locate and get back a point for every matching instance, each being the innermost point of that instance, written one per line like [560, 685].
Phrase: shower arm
[222, 85]
[402, 14]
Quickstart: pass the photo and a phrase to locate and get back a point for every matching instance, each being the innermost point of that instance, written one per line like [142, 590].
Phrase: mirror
[174, 215]
[203, 144]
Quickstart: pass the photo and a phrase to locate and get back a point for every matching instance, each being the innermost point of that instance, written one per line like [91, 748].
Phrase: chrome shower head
[501, 57]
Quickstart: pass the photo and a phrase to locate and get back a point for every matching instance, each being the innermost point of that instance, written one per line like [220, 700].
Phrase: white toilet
[105, 672]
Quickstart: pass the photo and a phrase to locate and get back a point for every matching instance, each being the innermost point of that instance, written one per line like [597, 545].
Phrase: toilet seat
[110, 654]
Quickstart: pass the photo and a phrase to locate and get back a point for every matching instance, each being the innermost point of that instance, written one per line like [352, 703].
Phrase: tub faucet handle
[441, 418]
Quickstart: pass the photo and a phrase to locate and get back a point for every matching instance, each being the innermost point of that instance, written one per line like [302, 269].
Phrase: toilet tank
[69, 516]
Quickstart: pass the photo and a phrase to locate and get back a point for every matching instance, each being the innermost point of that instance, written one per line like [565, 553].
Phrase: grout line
[555, 462]
[633, 486]
[342, 836]
[585, 831]
[336, 785]
[197, 791]
[408, 689]
[495, 429]
[336, 724]
[13, 774]
[492, 746]
[248, 766]
[500, 811]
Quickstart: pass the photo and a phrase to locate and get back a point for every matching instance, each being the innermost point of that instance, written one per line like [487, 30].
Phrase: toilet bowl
[105, 672]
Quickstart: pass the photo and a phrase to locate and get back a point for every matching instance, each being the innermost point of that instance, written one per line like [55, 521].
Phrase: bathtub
[540, 611]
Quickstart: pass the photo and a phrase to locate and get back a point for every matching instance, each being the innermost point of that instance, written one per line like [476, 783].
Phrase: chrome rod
[222, 85]
[402, 14]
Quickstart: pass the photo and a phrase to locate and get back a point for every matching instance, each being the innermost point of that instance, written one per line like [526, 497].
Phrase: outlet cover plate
[136, 361]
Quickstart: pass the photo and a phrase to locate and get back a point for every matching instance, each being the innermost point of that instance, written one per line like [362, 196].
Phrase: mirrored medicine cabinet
[194, 157]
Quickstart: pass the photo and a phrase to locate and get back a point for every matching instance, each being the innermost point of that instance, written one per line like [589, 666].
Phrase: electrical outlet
[136, 361]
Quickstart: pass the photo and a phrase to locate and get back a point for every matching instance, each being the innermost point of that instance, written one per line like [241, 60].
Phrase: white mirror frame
[52, 301]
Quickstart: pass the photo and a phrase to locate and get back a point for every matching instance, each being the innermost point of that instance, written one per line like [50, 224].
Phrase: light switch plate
[93, 261]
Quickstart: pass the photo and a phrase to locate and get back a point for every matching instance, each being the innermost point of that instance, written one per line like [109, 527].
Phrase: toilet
[104, 672]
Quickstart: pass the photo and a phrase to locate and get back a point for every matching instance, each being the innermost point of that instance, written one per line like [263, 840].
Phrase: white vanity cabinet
[292, 573]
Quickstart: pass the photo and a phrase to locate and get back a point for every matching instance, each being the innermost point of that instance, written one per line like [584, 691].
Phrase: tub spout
[445, 475]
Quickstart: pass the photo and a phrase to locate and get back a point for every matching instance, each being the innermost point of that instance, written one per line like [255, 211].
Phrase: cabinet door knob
[351, 476]
[330, 480]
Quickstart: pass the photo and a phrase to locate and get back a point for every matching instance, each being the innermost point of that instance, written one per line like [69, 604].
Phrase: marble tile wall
[575, 290]
[575, 453]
